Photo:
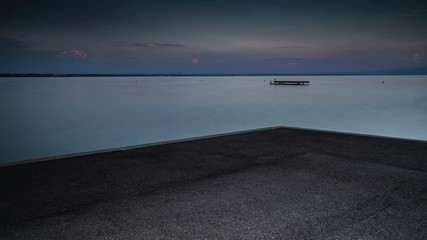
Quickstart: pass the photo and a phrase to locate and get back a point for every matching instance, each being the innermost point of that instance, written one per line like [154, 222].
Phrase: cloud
[289, 61]
[219, 61]
[73, 53]
[415, 58]
[147, 44]
[195, 60]
[290, 47]
[12, 42]
[13, 36]
[418, 12]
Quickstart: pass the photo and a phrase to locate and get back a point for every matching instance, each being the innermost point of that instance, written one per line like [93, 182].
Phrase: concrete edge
[357, 134]
[194, 139]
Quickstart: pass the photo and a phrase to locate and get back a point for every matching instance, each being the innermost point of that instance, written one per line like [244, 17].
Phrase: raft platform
[276, 82]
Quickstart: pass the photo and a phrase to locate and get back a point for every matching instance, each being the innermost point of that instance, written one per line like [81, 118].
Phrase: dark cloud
[411, 13]
[290, 47]
[146, 44]
[12, 42]
[289, 61]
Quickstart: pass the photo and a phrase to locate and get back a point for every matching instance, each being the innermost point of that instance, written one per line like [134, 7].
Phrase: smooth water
[43, 117]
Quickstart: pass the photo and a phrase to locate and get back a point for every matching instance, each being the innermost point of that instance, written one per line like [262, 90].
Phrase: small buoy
[382, 82]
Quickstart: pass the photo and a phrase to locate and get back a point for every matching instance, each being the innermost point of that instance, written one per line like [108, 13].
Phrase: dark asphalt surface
[273, 184]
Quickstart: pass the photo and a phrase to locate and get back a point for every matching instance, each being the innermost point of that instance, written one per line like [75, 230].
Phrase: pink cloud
[415, 58]
[195, 60]
[219, 61]
[73, 53]
[15, 36]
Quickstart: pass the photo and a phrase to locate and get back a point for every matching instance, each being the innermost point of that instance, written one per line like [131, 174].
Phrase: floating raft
[276, 82]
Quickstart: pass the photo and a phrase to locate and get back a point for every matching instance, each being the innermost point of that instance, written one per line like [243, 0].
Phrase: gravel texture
[281, 183]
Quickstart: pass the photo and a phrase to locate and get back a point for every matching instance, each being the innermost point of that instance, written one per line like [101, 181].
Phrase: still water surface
[43, 117]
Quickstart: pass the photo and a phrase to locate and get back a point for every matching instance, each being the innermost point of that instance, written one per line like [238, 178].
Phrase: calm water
[43, 117]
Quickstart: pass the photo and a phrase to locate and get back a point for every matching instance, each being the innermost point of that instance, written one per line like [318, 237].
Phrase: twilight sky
[188, 36]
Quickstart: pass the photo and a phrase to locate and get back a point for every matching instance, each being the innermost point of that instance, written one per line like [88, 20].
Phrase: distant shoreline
[194, 75]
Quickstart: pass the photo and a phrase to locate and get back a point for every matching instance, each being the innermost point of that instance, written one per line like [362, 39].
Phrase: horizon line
[191, 74]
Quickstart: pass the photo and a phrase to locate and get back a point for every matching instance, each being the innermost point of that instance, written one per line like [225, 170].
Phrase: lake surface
[43, 117]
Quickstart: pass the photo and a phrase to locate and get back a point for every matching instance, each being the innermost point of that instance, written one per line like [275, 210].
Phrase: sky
[212, 37]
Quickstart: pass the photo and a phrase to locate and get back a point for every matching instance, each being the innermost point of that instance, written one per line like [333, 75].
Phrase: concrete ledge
[283, 183]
